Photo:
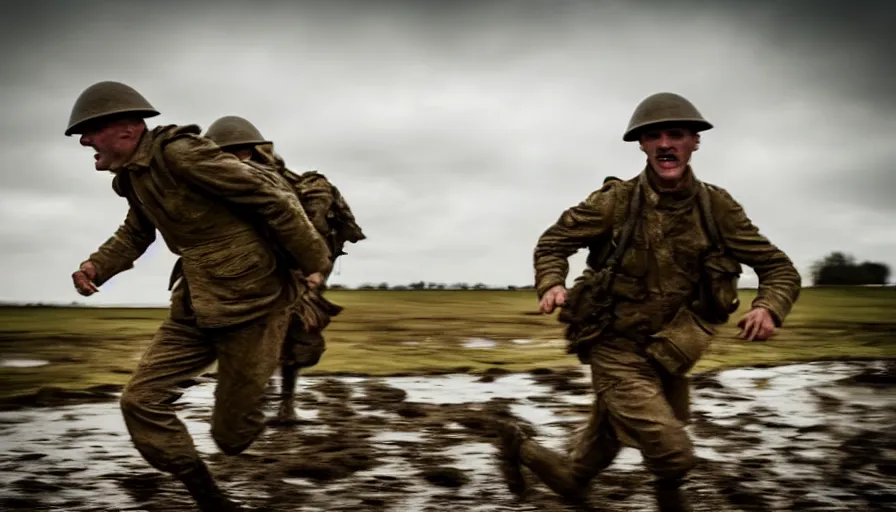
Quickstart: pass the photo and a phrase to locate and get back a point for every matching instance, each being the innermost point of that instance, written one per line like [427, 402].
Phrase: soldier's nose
[665, 141]
[84, 140]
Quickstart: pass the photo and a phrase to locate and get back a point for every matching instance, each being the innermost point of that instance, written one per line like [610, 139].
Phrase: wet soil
[817, 436]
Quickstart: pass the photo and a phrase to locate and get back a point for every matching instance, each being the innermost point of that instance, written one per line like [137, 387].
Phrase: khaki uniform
[238, 233]
[303, 347]
[639, 401]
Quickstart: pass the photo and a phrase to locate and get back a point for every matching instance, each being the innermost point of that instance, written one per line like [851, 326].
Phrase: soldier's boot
[670, 497]
[557, 472]
[205, 491]
[509, 458]
[287, 414]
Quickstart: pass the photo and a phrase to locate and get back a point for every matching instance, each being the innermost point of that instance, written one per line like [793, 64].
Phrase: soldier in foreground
[304, 343]
[234, 229]
[665, 254]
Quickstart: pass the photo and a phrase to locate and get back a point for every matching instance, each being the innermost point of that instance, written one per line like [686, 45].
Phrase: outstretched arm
[123, 248]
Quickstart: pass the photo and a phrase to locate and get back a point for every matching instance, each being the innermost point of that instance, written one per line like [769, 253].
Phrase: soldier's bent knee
[676, 463]
[233, 442]
[131, 403]
[234, 445]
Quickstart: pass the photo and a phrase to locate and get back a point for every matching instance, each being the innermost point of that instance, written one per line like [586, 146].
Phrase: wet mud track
[818, 436]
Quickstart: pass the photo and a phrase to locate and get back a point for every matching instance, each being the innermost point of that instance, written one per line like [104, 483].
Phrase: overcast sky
[458, 132]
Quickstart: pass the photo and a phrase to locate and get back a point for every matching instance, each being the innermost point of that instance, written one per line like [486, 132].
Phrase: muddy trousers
[247, 356]
[636, 404]
[301, 349]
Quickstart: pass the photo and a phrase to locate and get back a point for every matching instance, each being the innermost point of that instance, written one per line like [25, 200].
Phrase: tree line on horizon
[841, 269]
[835, 269]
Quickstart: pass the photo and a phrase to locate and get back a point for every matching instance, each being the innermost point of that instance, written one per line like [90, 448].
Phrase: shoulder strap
[631, 221]
[600, 250]
[709, 218]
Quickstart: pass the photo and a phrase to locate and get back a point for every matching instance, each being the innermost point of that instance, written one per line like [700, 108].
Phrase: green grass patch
[419, 332]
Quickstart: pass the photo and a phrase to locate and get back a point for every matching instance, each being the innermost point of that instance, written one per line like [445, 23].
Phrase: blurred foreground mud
[816, 436]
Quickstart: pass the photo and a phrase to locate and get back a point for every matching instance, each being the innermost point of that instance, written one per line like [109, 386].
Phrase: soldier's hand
[315, 280]
[757, 325]
[84, 278]
[552, 299]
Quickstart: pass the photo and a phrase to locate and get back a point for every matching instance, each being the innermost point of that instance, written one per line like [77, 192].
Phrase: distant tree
[382, 286]
[874, 272]
[839, 269]
[366, 286]
[417, 286]
[480, 286]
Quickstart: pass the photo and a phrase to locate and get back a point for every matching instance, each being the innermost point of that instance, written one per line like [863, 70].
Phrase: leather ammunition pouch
[588, 309]
[681, 343]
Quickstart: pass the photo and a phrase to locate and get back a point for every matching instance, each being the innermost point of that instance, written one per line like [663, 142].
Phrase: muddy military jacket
[658, 272]
[232, 225]
[308, 305]
[315, 191]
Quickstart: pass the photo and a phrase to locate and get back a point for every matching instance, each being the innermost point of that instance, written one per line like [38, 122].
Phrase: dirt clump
[445, 476]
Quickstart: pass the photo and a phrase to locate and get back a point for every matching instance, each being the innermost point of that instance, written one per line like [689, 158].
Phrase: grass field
[407, 332]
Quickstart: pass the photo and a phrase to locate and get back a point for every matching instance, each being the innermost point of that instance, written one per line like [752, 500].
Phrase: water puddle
[398, 438]
[779, 434]
[480, 343]
[22, 363]
[462, 388]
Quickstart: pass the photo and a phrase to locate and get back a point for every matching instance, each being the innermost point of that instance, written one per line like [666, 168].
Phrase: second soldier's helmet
[107, 99]
[664, 108]
[230, 131]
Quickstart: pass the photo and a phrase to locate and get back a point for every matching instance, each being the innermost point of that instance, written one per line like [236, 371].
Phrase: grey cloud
[458, 131]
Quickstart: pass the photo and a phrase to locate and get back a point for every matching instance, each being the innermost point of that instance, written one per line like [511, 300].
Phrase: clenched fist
[552, 299]
[84, 278]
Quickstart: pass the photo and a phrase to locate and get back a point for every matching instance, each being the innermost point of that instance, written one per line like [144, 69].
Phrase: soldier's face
[243, 154]
[113, 143]
[669, 151]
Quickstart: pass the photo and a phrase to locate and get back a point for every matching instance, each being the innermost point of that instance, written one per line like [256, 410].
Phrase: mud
[818, 436]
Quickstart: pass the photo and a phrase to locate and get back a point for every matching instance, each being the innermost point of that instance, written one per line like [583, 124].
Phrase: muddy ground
[818, 436]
